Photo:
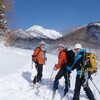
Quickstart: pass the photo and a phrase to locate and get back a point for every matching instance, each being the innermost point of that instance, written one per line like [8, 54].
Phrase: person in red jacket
[62, 63]
[39, 58]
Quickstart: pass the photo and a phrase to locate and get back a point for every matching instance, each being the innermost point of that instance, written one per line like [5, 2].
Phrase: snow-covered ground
[16, 75]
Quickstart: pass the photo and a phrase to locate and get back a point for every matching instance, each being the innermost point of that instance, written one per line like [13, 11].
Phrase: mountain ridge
[87, 35]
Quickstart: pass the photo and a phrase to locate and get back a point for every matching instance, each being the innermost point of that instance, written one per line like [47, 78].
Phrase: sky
[55, 14]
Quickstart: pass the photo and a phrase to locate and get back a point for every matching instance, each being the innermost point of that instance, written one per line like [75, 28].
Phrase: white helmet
[77, 46]
[42, 42]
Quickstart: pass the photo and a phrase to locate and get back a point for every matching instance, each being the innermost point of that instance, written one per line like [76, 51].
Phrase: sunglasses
[60, 47]
[76, 49]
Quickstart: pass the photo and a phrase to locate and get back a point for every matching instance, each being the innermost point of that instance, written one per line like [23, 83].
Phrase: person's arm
[61, 60]
[76, 63]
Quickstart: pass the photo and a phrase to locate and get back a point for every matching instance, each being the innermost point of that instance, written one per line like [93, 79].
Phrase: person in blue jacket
[81, 79]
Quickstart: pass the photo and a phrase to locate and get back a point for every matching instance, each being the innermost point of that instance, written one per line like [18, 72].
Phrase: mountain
[36, 32]
[40, 32]
[31, 37]
[20, 33]
[88, 36]
[93, 29]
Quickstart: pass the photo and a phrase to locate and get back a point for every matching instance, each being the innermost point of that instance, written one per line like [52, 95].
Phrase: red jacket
[62, 59]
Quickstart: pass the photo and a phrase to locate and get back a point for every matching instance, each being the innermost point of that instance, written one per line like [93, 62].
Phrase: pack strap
[76, 59]
[82, 69]
[80, 73]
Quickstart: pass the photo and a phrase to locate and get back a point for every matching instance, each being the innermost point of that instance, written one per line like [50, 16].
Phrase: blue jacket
[78, 63]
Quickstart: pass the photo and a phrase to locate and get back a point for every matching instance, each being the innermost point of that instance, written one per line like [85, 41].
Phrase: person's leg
[35, 78]
[39, 73]
[77, 88]
[56, 81]
[67, 82]
[88, 92]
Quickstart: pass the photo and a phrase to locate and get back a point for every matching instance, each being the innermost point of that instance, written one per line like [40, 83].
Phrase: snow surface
[16, 75]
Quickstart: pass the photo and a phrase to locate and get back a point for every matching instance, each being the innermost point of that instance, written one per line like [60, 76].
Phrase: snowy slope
[15, 85]
[21, 33]
[38, 31]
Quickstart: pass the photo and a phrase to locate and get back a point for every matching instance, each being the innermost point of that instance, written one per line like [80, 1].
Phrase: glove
[89, 75]
[45, 58]
[55, 68]
[33, 58]
[35, 61]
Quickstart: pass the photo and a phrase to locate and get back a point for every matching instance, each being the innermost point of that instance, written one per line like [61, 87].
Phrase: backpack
[70, 56]
[90, 62]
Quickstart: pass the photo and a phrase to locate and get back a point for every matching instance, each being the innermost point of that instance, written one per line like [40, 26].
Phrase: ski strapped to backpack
[90, 62]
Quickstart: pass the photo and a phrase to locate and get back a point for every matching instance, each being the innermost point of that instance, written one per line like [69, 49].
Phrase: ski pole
[52, 72]
[94, 85]
[51, 76]
[32, 64]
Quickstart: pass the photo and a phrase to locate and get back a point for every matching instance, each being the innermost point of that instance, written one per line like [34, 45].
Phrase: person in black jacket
[81, 79]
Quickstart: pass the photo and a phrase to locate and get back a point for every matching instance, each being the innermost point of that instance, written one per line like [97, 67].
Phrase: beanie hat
[60, 45]
[42, 42]
[77, 46]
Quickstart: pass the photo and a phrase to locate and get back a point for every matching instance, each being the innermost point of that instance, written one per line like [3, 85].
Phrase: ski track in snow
[16, 85]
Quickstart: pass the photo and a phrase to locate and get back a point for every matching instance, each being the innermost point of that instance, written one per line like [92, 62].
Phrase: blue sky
[55, 14]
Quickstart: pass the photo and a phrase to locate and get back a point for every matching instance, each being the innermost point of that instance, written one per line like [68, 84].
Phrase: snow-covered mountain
[36, 32]
[31, 37]
[16, 75]
[20, 33]
[40, 32]
[93, 29]
[88, 35]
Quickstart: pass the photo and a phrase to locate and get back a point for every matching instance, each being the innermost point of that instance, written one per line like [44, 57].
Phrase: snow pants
[62, 72]
[78, 84]
[38, 77]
